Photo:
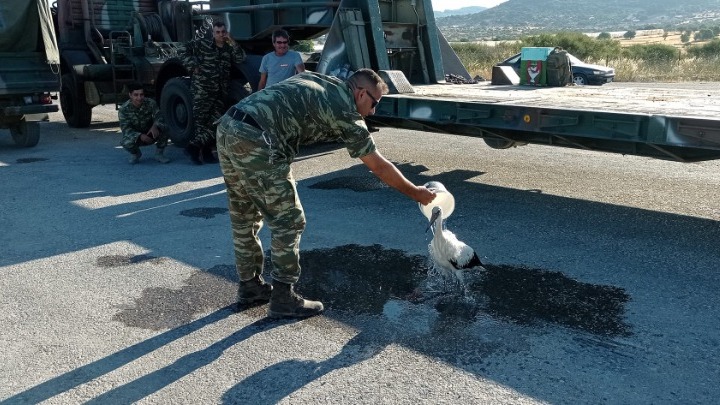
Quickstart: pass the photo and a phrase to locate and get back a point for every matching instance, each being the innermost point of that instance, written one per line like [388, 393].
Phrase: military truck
[106, 43]
[29, 68]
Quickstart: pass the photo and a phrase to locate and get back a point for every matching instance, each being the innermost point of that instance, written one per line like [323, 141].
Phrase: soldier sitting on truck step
[142, 124]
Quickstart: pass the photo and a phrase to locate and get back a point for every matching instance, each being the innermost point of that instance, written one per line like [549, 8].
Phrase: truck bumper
[30, 109]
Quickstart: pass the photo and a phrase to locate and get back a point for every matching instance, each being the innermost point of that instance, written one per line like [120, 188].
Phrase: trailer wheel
[76, 111]
[499, 143]
[26, 134]
[176, 106]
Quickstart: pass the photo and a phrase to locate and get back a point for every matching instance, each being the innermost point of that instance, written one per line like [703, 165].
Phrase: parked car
[583, 73]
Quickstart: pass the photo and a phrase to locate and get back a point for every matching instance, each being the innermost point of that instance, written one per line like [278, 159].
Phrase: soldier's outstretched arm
[390, 175]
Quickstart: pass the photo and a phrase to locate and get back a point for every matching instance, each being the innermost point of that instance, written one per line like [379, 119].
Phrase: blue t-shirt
[279, 68]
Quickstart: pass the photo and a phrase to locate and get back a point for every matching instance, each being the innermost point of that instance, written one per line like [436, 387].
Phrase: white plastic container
[443, 199]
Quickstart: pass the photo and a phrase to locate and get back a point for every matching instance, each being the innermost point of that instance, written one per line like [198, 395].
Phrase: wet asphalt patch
[126, 260]
[160, 308]
[31, 160]
[372, 280]
[354, 183]
[203, 212]
[364, 279]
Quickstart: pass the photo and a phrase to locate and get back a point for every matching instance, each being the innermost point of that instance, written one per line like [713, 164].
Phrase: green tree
[604, 35]
[709, 50]
[305, 45]
[629, 34]
[665, 35]
[685, 38]
[704, 34]
[652, 52]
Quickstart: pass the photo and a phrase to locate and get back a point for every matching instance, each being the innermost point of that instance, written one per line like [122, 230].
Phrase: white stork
[450, 255]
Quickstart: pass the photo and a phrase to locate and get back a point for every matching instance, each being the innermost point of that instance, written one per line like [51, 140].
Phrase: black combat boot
[253, 291]
[285, 302]
[193, 152]
[207, 155]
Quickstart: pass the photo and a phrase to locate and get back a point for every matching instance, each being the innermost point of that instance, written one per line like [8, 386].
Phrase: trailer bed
[700, 100]
[679, 121]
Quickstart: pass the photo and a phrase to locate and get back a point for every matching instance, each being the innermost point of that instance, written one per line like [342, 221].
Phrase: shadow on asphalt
[385, 292]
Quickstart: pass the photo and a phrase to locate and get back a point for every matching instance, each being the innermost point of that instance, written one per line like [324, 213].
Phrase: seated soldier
[142, 124]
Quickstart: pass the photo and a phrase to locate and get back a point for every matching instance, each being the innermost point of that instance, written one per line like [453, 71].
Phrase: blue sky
[441, 5]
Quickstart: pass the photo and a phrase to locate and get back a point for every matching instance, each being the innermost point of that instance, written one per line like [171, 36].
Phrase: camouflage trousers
[132, 143]
[260, 189]
[208, 106]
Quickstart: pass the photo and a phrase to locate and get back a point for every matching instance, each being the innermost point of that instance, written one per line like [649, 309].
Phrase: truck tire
[176, 106]
[76, 111]
[26, 134]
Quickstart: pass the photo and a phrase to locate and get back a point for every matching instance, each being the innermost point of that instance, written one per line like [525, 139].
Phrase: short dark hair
[281, 34]
[218, 23]
[364, 77]
[132, 86]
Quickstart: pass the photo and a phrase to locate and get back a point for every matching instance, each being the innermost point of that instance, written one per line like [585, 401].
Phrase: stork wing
[474, 261]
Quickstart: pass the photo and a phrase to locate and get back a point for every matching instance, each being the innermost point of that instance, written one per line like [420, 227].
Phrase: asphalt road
[601, 280]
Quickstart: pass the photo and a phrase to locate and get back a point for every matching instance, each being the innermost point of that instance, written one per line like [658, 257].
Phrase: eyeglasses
[281, 42]
[374, 100]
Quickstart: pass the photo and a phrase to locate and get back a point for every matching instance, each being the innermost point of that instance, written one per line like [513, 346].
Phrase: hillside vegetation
[516, 18]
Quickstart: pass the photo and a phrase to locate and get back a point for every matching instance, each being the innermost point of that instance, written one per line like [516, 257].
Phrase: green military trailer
[29, 68]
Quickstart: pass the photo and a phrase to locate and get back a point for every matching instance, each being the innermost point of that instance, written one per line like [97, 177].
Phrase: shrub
[709, 50]
[304, 45]
[652, 53]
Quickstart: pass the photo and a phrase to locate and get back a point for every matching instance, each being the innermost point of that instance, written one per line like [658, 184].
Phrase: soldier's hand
[147, 138]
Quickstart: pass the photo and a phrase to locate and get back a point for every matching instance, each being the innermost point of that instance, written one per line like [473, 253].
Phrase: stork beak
[433, 218]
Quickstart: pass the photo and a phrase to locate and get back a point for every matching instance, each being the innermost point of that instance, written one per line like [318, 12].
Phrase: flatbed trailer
[678, 121]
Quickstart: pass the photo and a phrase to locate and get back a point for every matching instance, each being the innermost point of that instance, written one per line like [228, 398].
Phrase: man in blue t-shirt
[282, 63]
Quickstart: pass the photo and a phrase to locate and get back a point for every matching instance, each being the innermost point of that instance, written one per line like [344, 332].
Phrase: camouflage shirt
[135, 121]
[213, 62]
[306, 108]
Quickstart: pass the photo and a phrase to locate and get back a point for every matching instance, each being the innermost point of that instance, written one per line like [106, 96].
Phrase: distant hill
[515, 18]
[460, 11]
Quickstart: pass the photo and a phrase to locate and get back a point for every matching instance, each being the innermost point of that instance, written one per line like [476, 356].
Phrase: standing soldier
[142, 124]
[258, 140]
[209, 63]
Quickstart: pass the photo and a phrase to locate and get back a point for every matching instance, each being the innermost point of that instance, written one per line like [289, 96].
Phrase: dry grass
[684, 70]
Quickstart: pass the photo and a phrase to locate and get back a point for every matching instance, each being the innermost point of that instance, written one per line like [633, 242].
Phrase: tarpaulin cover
[26, 26]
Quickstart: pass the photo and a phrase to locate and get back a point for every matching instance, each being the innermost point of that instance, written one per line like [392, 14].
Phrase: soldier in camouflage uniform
[142, 124]
[209, 62]
[258, 139]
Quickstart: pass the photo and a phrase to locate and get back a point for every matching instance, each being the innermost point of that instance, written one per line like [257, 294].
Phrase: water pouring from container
[443, 199]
